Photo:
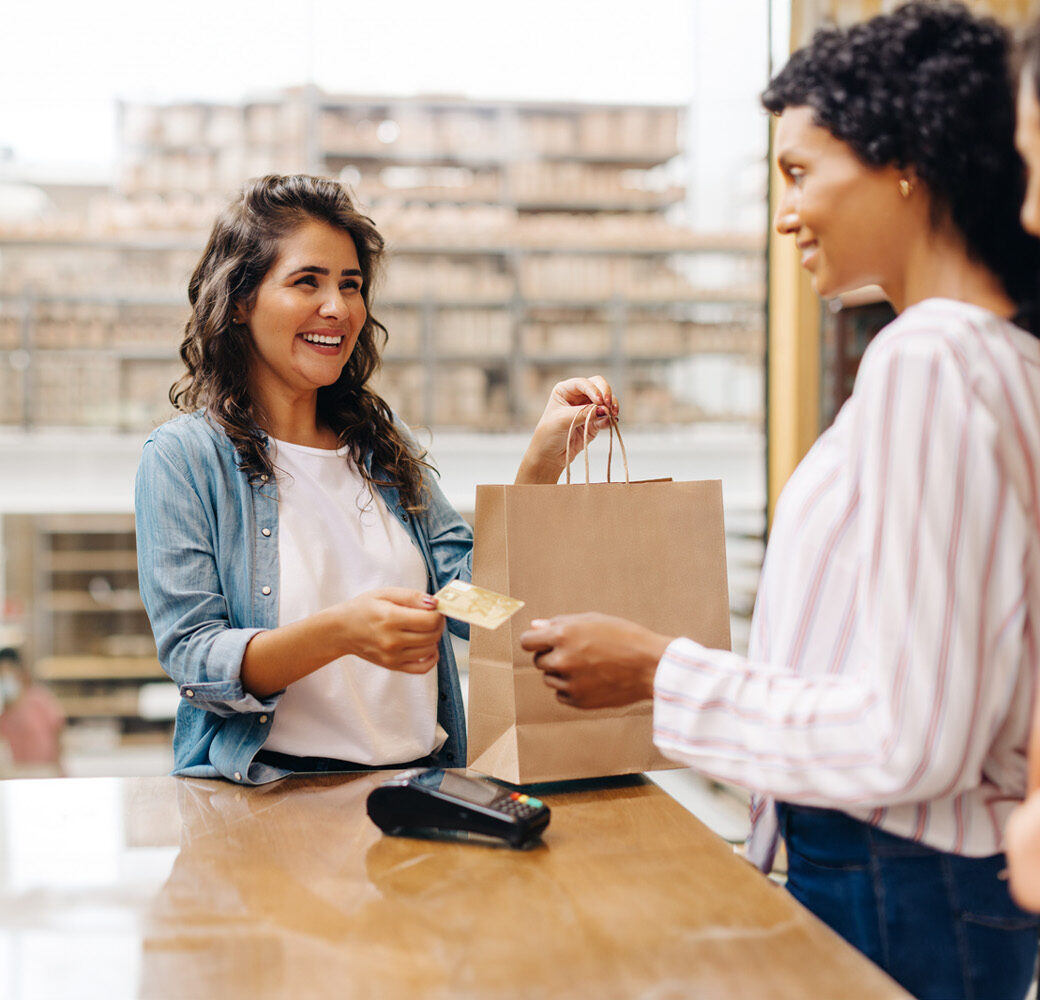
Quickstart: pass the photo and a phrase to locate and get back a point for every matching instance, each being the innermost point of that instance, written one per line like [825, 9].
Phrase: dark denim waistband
[325, 765]
[834, 831]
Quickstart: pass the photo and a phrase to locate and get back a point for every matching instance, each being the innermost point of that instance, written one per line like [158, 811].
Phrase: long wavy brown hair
[242, 247]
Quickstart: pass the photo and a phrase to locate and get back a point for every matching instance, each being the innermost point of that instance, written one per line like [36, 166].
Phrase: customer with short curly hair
[883, 708]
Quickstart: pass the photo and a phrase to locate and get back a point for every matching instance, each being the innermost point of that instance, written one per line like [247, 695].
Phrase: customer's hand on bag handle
[595, 661]
[546, 455]
[392, 627]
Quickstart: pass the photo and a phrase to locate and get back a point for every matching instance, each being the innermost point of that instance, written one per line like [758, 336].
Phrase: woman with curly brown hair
[290, 532]
[882, 711]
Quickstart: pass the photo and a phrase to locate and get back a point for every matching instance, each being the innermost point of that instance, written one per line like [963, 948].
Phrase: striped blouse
[893, 647]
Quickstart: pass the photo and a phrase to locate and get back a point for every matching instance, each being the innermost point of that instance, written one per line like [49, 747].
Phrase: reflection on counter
[164, 888]
[63, 846]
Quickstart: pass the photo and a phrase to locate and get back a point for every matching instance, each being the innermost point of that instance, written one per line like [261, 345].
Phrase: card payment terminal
[430, 800]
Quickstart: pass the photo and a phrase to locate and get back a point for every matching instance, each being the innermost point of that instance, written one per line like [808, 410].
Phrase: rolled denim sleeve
[180, 584]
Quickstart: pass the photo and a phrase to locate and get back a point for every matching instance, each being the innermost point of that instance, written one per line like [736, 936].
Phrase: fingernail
[539, 622]
[429, 601]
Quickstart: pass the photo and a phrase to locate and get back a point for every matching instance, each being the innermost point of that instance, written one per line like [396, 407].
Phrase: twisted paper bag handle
[590, 411]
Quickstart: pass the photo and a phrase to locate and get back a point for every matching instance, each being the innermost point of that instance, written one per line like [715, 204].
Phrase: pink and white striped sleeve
[933, 558]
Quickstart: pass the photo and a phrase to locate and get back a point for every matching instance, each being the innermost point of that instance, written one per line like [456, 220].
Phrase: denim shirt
[207, 549]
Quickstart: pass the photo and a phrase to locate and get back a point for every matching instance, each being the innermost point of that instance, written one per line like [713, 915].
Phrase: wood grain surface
[175, 888]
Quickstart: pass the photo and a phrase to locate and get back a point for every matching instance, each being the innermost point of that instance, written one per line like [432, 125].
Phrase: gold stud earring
[906, 188]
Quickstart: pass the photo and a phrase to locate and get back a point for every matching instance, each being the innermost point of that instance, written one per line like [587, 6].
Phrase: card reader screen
[478, 792]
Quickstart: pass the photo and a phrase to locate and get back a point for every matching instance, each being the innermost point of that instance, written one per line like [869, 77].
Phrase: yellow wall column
[794, 355]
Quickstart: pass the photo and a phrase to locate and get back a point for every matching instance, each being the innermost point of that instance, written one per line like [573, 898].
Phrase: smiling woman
[882, 712]
[259, 285]
[290, 531]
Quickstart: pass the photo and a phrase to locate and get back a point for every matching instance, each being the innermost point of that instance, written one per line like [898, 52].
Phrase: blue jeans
[942, 925]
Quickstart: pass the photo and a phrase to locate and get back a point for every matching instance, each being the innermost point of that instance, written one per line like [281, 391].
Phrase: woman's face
[848, 219]
[307, 315]
[1027, 140]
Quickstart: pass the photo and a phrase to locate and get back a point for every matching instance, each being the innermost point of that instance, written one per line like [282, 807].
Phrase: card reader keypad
[518, 804]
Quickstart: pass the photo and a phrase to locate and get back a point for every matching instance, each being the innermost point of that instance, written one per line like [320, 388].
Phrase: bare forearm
[391, 627]
[274, 659]
[536, 469]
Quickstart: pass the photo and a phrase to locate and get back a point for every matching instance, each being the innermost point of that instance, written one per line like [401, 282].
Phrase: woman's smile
[323, 341]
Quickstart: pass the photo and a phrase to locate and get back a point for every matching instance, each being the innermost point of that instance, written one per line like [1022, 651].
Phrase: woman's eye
[349, 286]
[797, 175]
[307, 279]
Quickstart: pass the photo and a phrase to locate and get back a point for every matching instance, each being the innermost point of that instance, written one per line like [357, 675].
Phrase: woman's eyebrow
[314, 269]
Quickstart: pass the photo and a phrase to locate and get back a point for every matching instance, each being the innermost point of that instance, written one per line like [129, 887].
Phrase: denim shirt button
[264, 478]
[265, 591]
[238, 776]
[263, 718]
[266, 532]
[189, 693]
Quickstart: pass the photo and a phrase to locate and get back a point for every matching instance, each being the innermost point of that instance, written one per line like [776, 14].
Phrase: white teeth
[318, 338]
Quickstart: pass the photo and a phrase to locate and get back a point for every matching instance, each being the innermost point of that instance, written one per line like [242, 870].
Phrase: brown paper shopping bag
[653, 552]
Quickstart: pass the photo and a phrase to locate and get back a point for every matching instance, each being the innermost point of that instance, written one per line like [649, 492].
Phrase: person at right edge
[883, 710]
[1023, 827]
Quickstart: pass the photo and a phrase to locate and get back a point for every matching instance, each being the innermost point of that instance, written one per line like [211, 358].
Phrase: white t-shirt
[335, 541]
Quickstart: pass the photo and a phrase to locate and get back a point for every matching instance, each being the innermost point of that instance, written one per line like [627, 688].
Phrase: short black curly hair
[928, 87]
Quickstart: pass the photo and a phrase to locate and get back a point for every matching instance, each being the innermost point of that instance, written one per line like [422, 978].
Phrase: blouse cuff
[681, 658]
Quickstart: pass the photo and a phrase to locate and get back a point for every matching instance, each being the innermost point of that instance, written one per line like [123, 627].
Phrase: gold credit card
[470, 603]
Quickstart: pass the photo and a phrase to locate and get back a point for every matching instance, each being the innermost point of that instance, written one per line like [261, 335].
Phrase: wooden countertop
[175, 888]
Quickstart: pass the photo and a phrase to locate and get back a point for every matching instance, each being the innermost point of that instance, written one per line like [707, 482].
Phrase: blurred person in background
[882, 712]
[290, 532]
[31, 722]
[1023, 828]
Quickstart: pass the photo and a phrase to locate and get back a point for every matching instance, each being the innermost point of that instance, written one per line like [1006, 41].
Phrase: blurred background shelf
[515, 227]
[79, 668]
[87, 636]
